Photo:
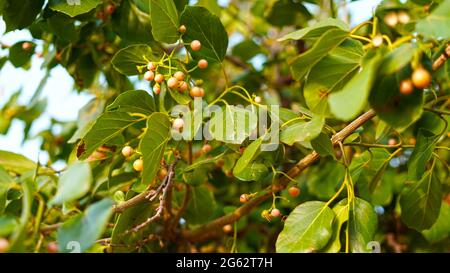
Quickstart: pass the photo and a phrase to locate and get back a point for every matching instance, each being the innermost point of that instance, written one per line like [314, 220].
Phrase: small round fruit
[151, 66]
[227, 228]
[182, 29]
[391, 19]
[149, 76]
[392, 142]
[127, 151]
[220, 162]
[157, 89]
[196, 92]
[377, 40]
[138, 165]
[110, 9]
[179, 75]
[275, 213]
[172, 83]
[196, 45]
[406, 87]
[243, 198]
[294, 191]
[412, 141]
[183, 86]
[421, 78]
[202, 64]
[162, 173]
[403, 17]
[100, 15]
[206, 148]
[258, 99]
[159, 78]
[4, 245]
[27, 46]
[178, 123]
[52, 247]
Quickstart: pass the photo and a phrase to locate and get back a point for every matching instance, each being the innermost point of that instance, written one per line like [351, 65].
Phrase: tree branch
[204, 232]
[442, 58]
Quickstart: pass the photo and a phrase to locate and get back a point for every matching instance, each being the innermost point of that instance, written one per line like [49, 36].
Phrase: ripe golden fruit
[178, 123]
[391, 19]
[4, 245]
[196, 45]
[403, 17]
[183, 86]
[159, 78]
[52, 247]
[206, 148]
[182, 29]
[179, 75]
[243, 198]
[406, 87]
[138, 165]
[157, 89]
[392, 142]
[421, 78]
[227, 228]
[202, 64]
[162, 173]
[172, 83]
[275, 213]
[258, 99]
[151, 66]
[127, 151]
[197, 92]
[149, 76]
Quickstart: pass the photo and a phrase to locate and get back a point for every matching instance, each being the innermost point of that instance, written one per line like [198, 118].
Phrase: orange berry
[243, 198]
[172, 83]
[206, 148]
[157, 89]
[275, 213]
[52, 247]
[178, 123]
[162, 174]
[196, 45]
[392, 142]
[202, 64]
[406, 87]
[138, 165]
[4, 245]
[421, 78]
[179, 75]
[227, 228]
[182, 29]
[183, 86]
[159, 78]
[149, 76]
[391, 19]
[258, 99]
[151, 66]
[197, 92]
[110, 9]
[127, 151]
[27, 46]
[294, 191]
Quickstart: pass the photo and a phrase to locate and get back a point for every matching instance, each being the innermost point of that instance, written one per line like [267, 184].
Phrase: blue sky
[63, 102]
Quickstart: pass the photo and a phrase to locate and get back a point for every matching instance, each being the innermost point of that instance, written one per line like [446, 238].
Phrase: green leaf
[250, 153]
[246, 50]
[397, 59]
[8, 224]
[233, 124]
[437, 24]
[421, 202]
[301, 65]
[180, 98]
[16, 163]
[128, 59]
[378, 164]
[302, 131]
[325, 181]
[107, 127]
[20, 233]
[255, 171]
[426, 141]
[287, 12]
[134, 101]
[73, 7]
[153, 143]
[206, 27]
[20, 57]
[5, 182]
[308, 228]
[85, 228]
[73, 183]
[323, 145]
[351, 100]
[441, 228]
[132, 24]
[362, 225]
[342, 213]
[315, 31]
[431, 122]
[331, 74]
[397, 110]
[20, 14]
[63, 27]
[164, 18]
[201, 206]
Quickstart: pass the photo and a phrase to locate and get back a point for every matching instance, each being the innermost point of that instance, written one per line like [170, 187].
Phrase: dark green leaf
[362, 225]
[437, 24]
[128, 59]
[206, 27]
[132, 24]
[20, 57]
[426, 141]
[201, 206]
[316, 30]
[164, 18]
[302, 131]
[134, 101]
[74, 7]
[84, 229]
[20, 14]
[153, 143]
[441, 228]
[15, 162]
